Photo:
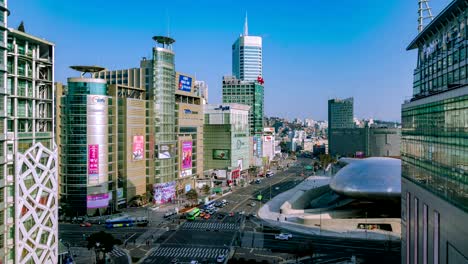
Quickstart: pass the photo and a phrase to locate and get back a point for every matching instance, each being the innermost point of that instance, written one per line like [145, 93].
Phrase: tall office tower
[434, 152]
[248, 93]
[247, 56]
[201, 89]
[29, 192]
[189, 107]
[340, 116]
[162, 93]
[88, 149]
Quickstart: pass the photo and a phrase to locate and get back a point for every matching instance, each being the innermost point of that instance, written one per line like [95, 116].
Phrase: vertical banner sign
[93, 163]
[138, 147]
[186, 155]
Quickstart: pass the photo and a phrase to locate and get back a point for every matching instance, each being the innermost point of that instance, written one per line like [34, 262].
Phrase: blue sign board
[185, 83]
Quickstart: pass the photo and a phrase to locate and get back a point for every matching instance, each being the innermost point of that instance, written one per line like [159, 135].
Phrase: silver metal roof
[371, 178]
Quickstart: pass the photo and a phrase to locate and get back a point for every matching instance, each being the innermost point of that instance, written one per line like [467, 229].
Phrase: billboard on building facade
[164, 192]
[185, 83]
[186, 155]
[97, 200]
[138, 147]
[93, 163]
[166, 151]
[221, 154]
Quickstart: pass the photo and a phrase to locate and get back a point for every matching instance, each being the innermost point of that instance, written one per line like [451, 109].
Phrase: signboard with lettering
[185, 83]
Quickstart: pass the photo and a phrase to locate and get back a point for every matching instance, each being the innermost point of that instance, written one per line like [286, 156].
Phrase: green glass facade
[434, 144]
[164, 112]
[435, 148]
[80, 128]
[247, 93]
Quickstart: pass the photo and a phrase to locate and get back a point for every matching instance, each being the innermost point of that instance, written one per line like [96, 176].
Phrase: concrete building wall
[384, 142]
[433, 230]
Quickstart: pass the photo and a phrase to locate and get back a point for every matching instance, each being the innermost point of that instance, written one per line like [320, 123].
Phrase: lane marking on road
[129, 238]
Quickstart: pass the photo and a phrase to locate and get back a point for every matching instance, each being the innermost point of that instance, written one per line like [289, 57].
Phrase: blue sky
[313, 50]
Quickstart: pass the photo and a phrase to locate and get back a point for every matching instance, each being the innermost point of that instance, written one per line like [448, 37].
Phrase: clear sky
[313, 50]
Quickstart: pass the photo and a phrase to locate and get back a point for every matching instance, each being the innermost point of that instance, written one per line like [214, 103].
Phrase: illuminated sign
[93, 163]
[97, 200]
[186, 155]
[166, 151]
[220, 154]
[138, 147]
[164, 192]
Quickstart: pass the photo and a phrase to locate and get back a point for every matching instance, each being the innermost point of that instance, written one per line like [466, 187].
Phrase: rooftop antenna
[168, 23]
[246, 26]
[424, 12]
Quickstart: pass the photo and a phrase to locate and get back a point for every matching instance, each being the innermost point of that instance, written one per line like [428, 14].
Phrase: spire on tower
[246, 26]
[424, 12]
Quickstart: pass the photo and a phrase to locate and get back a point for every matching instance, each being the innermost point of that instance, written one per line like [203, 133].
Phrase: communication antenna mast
[424, 12]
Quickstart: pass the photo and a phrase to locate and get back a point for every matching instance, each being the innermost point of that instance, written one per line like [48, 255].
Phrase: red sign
[235, 174]
[93, 159]
[260, 80]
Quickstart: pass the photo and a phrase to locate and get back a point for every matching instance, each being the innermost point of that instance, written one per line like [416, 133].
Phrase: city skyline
[359, 51]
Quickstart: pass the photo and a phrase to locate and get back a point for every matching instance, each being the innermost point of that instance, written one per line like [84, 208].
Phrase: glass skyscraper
[247, 62]
[162, 94]
[434, 141]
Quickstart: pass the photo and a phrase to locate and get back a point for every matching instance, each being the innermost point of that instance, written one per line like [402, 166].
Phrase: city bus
[193, 213]
[119, 222]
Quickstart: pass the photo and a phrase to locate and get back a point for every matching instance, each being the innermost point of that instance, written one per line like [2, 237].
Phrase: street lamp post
[320, 221]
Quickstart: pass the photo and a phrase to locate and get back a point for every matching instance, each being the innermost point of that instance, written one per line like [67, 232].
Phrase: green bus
[193, 213]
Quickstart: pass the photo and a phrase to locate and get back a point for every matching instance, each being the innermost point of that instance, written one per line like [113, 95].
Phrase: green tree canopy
[106, 241]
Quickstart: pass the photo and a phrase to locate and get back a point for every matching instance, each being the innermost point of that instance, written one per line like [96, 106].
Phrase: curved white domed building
[370, 178]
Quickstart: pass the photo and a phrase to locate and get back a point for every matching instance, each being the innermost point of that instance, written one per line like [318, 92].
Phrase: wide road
[75, 235]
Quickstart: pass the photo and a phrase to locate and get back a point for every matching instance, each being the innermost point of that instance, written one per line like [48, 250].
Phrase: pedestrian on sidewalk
[277, 219]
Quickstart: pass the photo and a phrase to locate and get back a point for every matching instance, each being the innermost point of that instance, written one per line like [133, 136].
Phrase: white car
[287, 234]
[220, 259]
[282, 237]
[194, 262]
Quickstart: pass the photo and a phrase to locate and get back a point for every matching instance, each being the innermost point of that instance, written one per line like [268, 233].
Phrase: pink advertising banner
[93, 159]
[186, 155]
[138, 147]
[97, 200]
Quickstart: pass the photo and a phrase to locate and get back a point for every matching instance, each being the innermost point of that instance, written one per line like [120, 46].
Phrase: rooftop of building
[29, 37]
[226, 107]
[444, 18]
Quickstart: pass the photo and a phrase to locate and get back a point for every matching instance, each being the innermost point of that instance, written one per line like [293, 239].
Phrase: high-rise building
[29, 189]
[201, 89]
[340, 115]
[247, 56]
[189, 107]
[434, 194]
[163, 111]
[88, 145]
[157, 77]
[248, 93]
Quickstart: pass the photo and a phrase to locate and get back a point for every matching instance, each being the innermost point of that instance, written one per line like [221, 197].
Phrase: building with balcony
[29, 187]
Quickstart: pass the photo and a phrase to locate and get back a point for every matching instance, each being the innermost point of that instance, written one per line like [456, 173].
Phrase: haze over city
[313, 50]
